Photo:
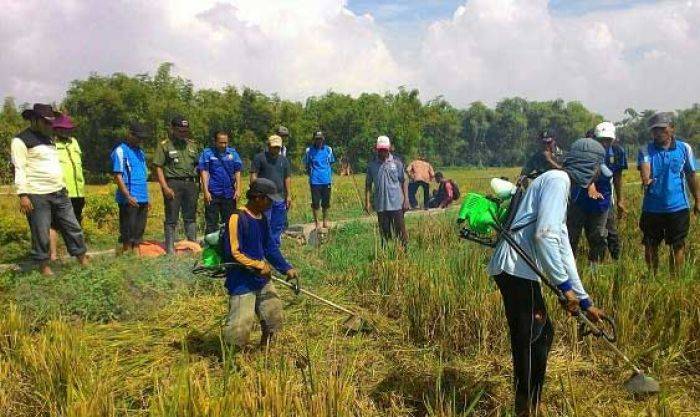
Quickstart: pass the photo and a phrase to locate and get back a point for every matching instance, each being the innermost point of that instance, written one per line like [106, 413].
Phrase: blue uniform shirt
[131, 163]
[666, 193]
[318, 163]
[616, 161]
[222, 168]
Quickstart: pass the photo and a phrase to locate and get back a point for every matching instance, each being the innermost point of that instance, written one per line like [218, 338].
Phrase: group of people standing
[583, 189]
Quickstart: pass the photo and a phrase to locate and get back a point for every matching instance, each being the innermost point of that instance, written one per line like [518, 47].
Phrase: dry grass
[439, 345]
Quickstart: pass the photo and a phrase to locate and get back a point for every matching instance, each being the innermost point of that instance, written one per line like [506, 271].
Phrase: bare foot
[83, 260]
[45, 270]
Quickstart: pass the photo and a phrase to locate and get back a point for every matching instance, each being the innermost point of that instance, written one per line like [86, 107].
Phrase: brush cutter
[484, 215]
[354, 323]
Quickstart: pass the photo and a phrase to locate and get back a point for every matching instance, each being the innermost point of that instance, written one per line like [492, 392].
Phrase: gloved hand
[293, 275]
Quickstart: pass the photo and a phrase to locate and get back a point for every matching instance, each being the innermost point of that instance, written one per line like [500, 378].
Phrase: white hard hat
[604, 130]
[383, 142]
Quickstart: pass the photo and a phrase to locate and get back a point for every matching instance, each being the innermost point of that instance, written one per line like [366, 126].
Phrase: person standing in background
[131, 176]
[70, 157]
[220, 171]
[318, 160]
[275, 167]
[176, 160]
[41, 189]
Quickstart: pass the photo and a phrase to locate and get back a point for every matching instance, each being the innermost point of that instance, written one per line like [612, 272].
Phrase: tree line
[102, 106]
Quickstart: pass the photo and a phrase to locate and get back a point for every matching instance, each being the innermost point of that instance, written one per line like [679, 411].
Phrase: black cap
[282, 131]
[319, 135]
[265, 187]
[179, 121]
[138, 130]
[547, 135]
[661, 119]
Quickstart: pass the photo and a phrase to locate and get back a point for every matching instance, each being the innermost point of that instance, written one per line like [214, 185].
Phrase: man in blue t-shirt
[220, 174]
[665, 165]
[131, 176]
[590, 206]
[318, 160]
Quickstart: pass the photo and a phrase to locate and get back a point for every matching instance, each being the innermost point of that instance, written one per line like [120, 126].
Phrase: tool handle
[312, 295]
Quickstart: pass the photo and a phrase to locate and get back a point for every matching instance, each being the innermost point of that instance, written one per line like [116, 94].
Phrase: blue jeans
[277, 219]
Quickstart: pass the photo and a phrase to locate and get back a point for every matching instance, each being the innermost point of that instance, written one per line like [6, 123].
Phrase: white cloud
[641, 56]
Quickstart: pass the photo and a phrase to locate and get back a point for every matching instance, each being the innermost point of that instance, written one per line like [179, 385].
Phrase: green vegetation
[477, 136]
[132, 337]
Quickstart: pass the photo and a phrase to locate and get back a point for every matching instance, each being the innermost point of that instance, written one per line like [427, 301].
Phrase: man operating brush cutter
[246, 240]
[533, 248]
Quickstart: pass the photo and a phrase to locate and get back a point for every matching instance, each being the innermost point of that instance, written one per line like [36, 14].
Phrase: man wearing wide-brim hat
[41, 188]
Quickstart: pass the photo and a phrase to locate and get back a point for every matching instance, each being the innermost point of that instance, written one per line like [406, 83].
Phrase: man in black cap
[548, 157]
[283, 132]
[176, 161]
[41, 188]
[664, 165]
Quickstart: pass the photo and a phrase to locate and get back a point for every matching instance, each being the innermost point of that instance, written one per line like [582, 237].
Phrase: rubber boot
[191, 231]
[170, 238]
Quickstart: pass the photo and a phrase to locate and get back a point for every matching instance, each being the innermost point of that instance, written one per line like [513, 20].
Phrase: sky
[608, 54]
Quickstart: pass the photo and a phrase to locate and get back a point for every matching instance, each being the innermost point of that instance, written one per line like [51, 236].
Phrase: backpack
[456, 194]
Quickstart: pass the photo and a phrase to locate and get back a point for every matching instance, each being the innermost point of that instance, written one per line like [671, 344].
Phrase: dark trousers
[78, 204]
[392, 221]
[594, 224]
[217, 212]
[132, 223]
[531, 335]
[413, 187]
[185, 202]
[614, 245]
[54, 208]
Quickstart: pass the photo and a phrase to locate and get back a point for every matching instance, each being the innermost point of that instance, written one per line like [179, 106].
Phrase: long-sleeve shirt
[249, 244]
[37, 167]
[544, 236]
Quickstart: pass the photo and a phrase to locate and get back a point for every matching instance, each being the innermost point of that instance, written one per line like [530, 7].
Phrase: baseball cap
[179, 121]
[319, 135]
[383, 142]
[265, 187]
[660, 119]
[274, 140]
[40, 110]
[282, 131]
[604, 130]
[138, 130]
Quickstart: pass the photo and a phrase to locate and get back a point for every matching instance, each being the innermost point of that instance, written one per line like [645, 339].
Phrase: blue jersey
[318, 164]
[131, 163]
[666, 193]
[616, 161]
[221, 167]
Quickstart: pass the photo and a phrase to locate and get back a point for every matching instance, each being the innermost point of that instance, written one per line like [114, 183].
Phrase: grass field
[141, 337]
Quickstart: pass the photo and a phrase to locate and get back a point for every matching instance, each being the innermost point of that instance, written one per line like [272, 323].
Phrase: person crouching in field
[248, 242]
[42, 190]
[70, 157]
[663, 165]
[540, 221]
[131, 176]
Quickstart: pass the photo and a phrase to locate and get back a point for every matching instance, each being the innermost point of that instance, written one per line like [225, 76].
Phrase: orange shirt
[421, 171]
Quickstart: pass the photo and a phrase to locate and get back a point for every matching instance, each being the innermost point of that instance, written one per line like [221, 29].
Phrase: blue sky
[414, 11]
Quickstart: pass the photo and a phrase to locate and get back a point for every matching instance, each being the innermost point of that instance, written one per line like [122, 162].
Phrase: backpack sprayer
[487, 220]
[214, 266]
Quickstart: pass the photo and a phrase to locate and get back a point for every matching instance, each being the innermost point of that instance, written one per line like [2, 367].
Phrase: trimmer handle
[587, 327]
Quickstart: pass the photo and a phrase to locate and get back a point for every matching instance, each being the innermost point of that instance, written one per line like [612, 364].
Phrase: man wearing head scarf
[539, 227]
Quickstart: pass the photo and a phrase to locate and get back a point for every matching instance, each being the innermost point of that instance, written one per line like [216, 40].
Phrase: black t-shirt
[275, 169]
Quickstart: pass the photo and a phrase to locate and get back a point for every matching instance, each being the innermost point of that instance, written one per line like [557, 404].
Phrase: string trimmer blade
[641, 384]
[355, 324]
